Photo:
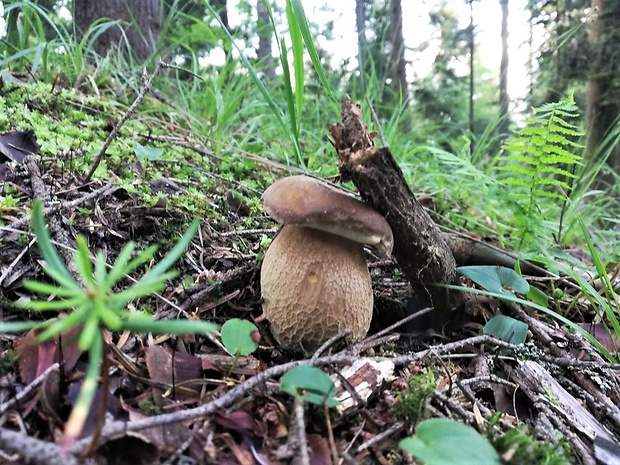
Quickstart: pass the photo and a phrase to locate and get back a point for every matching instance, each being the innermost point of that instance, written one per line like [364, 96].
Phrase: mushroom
[314, 278]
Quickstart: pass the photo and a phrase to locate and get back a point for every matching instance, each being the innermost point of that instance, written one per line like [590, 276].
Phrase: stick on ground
[419, 247]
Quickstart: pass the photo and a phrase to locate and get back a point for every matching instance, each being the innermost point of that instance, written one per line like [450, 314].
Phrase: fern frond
[538, 167]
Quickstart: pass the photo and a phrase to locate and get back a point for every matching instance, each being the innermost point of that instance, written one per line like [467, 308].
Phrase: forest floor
[184, 399]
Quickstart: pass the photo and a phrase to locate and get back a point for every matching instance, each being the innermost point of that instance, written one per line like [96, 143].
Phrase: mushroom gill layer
[315, 285]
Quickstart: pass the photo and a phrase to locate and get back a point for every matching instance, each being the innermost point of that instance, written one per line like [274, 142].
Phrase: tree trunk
[397, 56]
[139, 19]
[595, 131]
[530, 58]
[360, 25]
[504, 100]
[471, 71]
[263, 53]
[603, 90]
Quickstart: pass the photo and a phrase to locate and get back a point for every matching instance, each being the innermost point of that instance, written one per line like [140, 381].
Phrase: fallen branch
[419, 247]
[130, 111]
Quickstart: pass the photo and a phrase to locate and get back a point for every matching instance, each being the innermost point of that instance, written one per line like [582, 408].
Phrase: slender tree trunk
[398, 64]
[595, 131]
[530, 59]
[265, 35]
[603, 93]
[139, 19]
[471, 70]
[360, 25]
[504, 100]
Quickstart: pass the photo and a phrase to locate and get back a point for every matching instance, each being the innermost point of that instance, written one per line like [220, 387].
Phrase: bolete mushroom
[314, 278]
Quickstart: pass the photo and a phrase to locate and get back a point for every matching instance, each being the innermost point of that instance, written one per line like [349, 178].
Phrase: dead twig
[28, 389]
[395, 428]
[34, 451]
[120, 427]
[40, 191]
[16, 226]
[299, 436]
[200, 293]
[130, 111]
[14, 263]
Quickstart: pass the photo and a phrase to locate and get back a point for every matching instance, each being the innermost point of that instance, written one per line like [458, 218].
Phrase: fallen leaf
[607, 337]
[319, 450]
[173, 371]
[16, 145]
[35, 358]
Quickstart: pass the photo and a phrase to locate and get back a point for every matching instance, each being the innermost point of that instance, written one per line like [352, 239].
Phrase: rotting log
[419, 248]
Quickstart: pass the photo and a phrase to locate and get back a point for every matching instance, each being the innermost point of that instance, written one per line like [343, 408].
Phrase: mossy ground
[194, 175]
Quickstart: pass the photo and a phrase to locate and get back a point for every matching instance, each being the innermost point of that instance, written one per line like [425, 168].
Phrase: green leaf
[107, 315]
[89, 333]
[87, 392]
[43, 305]
[537, 296]
[237, 336]
[304, 26]
[147, 153]
[298, 62]
[45, 243]
[82, 260]
[119, 269]
[440, 441]
[310, 385]
[507, 329]
[496, 279]
[50, 289]
[57, 326]
[143, 325]
[18, 326]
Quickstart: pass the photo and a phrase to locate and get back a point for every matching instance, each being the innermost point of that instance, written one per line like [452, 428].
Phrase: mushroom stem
[315, 285]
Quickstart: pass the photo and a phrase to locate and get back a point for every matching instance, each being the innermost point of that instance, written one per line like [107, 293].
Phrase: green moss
[149, 407]
[518, 446]
[409, 403]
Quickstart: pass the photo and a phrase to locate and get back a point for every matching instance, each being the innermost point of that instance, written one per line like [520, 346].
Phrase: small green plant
[440, 441]
[497, 279]
[570, 324]
[240, 337]
[90, 301]
[300, 35]
[517, 446]
[409, 403]
[507, 329]
[309, 384]
[147, 153]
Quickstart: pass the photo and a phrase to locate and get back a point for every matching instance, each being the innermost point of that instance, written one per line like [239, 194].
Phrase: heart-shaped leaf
[497, 279]
[440, 441]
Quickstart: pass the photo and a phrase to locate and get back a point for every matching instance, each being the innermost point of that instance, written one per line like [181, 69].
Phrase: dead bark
[468, 251]
[419, 248]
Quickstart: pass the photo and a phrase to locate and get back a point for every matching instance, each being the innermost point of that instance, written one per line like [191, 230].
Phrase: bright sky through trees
[419, 34]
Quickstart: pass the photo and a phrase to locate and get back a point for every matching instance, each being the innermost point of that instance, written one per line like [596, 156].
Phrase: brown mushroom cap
[314, 286]
[306, 201]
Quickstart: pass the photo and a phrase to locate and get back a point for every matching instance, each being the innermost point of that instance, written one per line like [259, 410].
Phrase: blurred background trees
[573, 48]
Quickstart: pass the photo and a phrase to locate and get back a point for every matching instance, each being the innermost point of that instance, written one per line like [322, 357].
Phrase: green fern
[539, 168]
